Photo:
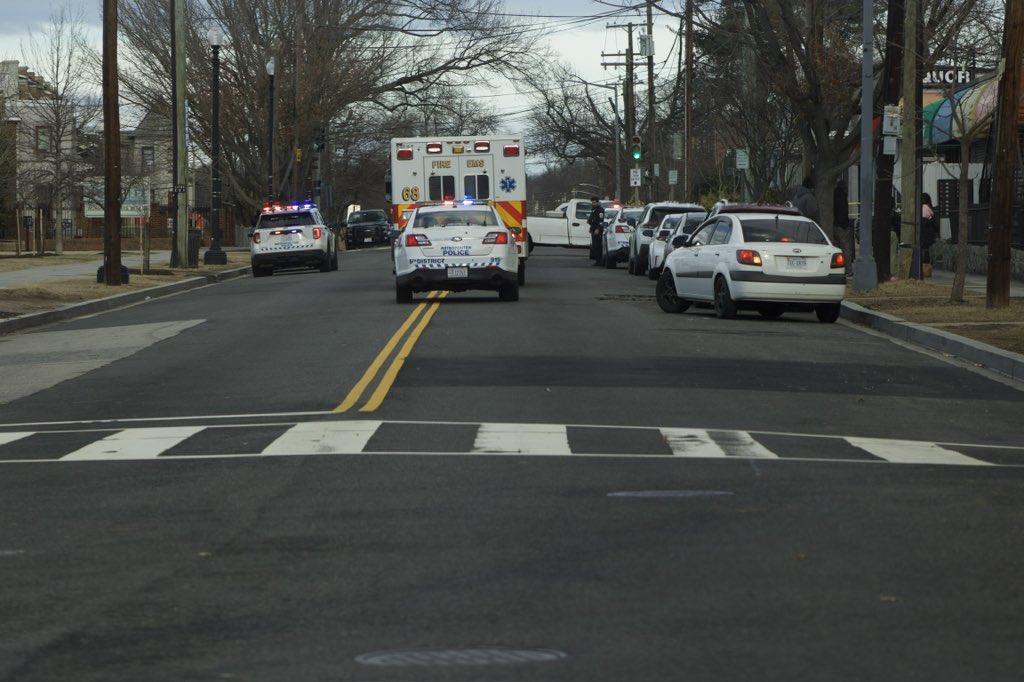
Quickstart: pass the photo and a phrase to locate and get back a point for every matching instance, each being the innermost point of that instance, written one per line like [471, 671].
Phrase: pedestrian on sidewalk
[805, 201]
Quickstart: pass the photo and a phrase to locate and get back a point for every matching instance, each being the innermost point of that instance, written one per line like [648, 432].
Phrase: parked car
[649, 221]
[684, 227]
[656, 249]
[767, 258]
[618, 227]
[367, 227]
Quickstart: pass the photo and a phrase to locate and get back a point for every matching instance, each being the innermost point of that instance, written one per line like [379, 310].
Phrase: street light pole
[215, 255]
[865, 270]
[270, 134]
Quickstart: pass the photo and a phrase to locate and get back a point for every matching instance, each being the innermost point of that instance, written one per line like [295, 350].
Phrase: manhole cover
[459, 657]
[670, 493]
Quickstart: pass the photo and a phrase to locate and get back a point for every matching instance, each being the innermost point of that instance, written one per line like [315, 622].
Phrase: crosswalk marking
[912, 452]
[691, 443]
[324, 438]
[354, 437]
[525, 439]
[134, 443]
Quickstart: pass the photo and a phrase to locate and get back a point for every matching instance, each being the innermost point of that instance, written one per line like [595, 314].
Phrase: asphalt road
[296, 478]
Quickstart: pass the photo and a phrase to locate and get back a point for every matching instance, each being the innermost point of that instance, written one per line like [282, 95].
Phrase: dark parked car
[367, 227]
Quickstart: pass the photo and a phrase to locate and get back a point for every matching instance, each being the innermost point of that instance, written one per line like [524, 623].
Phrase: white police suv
[292, 236]
[456, 247]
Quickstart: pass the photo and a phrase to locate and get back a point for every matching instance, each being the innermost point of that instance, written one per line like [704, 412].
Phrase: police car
[456, 247]
[292, 236]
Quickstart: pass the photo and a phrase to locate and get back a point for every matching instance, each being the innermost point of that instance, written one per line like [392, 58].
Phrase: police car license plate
[798, 262]
[455, 273]
[367, 239]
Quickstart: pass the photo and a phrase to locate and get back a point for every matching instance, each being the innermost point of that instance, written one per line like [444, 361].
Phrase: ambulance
[434, 170]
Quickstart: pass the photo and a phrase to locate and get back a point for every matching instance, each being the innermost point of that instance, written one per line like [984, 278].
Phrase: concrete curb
[16, 324]
[990, 357]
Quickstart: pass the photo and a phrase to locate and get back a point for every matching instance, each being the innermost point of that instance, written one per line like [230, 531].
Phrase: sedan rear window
[445, 218]
[782, 230]
[285, 219]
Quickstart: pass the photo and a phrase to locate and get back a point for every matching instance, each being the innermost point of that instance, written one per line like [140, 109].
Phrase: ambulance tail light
[434, 148]
[416, 240]
[496, 238]
[511, 150]
[405, 154]
[481, 146]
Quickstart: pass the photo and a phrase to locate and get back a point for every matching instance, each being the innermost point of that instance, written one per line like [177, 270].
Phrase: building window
[148, 160]
[42, 139]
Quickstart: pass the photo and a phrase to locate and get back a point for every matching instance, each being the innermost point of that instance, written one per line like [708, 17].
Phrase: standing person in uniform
[596, 223]
[805, 201]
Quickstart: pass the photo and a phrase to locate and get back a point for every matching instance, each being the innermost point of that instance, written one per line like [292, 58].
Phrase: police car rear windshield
[782, 230]
[286, 219]
[479, 218]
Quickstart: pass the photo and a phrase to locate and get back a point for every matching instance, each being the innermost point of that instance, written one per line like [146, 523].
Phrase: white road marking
[742, 444]
[526, 439]
[348, 437]
[913, 452]
[12, 436]
[32, 362]
[692, 443]
[134, 444]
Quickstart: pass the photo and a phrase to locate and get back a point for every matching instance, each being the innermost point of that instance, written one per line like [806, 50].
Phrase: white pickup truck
[565, 226]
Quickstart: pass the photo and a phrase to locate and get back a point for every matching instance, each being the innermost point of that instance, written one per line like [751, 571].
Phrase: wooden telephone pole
[1004, 170]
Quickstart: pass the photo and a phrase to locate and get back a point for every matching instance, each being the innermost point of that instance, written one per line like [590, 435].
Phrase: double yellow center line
[379, 393]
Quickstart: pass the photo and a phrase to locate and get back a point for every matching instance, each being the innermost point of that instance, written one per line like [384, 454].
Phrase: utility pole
[651, 117]
[865, 273]
[909, 207]
[997, 290]
[891, 75]
[112, 150]
[688, 95]
[180, 150]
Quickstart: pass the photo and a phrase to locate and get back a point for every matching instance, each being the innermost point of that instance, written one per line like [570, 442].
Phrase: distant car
[295, 236]
[456, 247]
[367, 227]
[656, 249]
[618, 227]
[767, 258]
[685, 224]
[649, 221]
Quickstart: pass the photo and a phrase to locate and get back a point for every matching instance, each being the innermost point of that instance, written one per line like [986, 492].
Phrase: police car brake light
[748, 257]
[496, 238]
[416, 240]
[511, 150]
[317, 233]
[405, 154]
[433, 147]
[256, 237]
[481, 146]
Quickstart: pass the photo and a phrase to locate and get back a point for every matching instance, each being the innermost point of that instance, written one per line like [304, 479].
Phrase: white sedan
[769, 259]
[456, 247]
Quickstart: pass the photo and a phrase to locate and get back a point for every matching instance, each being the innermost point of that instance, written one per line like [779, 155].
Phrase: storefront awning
[972, 109]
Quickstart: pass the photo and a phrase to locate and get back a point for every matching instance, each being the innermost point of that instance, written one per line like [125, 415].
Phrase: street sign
[677, 146]
[673, 177]
[634, 177]
[657, 170]
[742, 159]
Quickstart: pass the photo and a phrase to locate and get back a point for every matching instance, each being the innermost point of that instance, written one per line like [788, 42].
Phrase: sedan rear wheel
[827, 312]
[665, 294]
[725, 307]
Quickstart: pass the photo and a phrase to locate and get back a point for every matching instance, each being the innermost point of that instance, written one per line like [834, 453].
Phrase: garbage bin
[195, 237]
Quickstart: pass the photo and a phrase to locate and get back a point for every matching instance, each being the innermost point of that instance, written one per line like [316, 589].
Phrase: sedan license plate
[457, 273]
[798, 262]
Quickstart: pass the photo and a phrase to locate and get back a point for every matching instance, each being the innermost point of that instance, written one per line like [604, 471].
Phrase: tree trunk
[960, 276]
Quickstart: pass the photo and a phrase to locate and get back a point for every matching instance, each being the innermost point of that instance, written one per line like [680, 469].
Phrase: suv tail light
[496, 238]
[838, 261]
[416, 240]
[256, 237]
[317, 233]
[748, 257]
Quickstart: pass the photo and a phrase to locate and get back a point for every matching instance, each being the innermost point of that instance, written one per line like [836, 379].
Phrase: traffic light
[637, 149]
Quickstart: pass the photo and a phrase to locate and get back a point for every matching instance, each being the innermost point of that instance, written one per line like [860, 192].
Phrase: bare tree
[59, 108]
[336, 60]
